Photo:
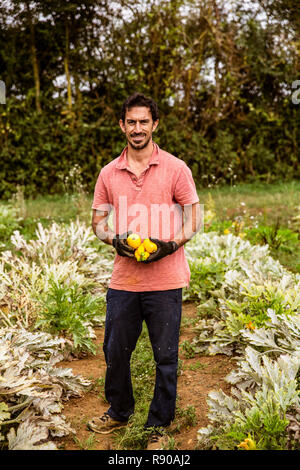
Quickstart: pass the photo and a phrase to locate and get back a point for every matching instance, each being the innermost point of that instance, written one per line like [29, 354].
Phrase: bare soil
[199, 375]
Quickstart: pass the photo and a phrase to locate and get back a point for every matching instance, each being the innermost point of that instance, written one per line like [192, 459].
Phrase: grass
[61, 208]
[255, 194]
[269, 202]
[197, 366]
[87, 444]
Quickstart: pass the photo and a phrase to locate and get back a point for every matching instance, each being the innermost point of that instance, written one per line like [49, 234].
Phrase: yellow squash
[141, 254]
[134, 240]
[149, 246]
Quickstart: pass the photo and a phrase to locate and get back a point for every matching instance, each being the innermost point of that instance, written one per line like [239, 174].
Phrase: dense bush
[222, 79]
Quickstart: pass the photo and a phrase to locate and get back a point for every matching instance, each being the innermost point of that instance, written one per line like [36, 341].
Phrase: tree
[221, 72]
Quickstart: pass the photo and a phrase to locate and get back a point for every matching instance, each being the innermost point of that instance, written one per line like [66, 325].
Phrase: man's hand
[120, 244]
[163, 249]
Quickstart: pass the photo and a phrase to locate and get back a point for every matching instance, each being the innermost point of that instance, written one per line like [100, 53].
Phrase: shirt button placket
[138, 181]
[135, 182]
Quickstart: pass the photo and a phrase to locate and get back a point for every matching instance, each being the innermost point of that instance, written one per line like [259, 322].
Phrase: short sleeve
[185, 190]
[101, 200]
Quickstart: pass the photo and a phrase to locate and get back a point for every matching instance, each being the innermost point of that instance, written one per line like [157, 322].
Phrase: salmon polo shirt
[150, 205]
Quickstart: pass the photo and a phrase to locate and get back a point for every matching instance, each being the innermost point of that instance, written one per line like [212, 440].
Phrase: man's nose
[137, 127]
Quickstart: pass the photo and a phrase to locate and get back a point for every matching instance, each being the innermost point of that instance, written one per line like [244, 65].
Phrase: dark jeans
[125, 313]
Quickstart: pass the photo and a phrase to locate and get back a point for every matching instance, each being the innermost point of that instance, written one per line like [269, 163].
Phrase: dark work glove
[120, 244]
[163, 249]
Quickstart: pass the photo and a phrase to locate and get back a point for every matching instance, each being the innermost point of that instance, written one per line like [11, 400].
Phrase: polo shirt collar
[123, 162]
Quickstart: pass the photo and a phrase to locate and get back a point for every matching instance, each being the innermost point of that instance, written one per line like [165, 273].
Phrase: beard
[139, 146]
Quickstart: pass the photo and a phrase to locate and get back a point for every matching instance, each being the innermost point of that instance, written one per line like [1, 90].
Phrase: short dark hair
[138, 99]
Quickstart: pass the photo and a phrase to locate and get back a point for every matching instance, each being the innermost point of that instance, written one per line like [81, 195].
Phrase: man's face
[138, 127]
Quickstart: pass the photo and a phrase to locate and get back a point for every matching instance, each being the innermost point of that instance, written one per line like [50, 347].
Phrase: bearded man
[159, 187]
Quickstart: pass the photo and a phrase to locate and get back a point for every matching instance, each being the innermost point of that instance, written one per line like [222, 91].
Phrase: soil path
[199, 375]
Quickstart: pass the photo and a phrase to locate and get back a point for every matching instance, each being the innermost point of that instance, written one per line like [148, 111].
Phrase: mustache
[141, 134]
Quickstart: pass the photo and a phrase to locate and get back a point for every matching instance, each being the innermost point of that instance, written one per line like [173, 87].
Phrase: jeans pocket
[174, 296]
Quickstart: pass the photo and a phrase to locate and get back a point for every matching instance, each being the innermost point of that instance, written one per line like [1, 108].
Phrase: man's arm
[101, 228]
[191, 224]
[103, 232]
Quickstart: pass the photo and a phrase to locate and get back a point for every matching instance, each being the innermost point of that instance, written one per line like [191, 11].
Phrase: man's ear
[155, 124]
[121, 124]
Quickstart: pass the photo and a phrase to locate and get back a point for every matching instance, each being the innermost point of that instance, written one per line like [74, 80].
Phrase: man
[148, 181]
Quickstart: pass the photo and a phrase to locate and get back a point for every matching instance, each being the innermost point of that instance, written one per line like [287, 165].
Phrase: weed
[197, 365]
[188, 348]
[101, 383]
[88, 444]
[8, 221]
[171, 445]
[18, 201]
[267, 424]
[186, 417]
[185, 322]
[180, 367]
[274, 236]
[68, 310]
[204, 278]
